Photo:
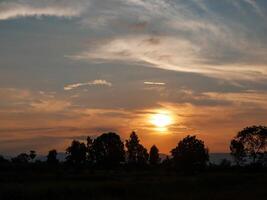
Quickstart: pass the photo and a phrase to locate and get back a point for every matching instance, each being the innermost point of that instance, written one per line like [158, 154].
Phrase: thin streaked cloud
[90, 83]
[154, 83]
[29, 8]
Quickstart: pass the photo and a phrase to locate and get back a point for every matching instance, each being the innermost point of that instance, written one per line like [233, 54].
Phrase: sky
[71, 69]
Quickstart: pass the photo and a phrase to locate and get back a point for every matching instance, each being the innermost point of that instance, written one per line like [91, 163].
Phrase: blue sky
[75, 68]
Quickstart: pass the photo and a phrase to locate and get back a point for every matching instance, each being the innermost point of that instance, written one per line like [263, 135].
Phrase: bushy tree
[22, 158]
[154, 156]
[190, 154]
[52, 157]
[108, 150]
[251, 142]
[238, 151]
[142, 155]
[137, 153]
[76, 153]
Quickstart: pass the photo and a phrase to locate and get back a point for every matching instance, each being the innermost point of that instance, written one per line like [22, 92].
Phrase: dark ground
[227, 185]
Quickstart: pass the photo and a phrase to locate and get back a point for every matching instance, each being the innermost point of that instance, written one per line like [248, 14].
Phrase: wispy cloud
[51, 106]
[176, 36]
[256, 7]
[28, 8]
[90, 83]
[153, 83]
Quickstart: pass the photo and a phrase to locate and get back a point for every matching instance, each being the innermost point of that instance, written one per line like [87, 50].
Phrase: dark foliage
[137, 154]
[52, 157]
[32, 155]
[154, 156]
[3, 160]
[89, 150]
[251, 142]
[22, 158]
[108, 150]
[76, 153]
[190, 154]
[238, 152]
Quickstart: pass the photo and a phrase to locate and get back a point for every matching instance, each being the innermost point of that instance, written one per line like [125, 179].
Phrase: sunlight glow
[161, 120]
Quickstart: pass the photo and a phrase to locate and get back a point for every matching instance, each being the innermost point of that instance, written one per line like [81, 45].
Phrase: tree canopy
[137, 153]
[76, 153]
[190, 154]
[108, 150]
[250, 143]
[154, 156]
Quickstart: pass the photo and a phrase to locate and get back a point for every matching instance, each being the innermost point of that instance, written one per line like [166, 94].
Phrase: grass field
[133, 185]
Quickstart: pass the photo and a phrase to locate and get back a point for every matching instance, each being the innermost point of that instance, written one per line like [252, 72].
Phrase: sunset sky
[164, 68]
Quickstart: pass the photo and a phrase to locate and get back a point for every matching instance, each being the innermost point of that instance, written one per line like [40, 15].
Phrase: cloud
[28, 8]
[154, 83]
[50, 105]
[256, 7]
[90, 83]
[188, 36]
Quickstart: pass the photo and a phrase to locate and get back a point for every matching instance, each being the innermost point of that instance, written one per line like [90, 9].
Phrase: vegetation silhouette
[76, 153]
[190, 154]
[136, 152]
[250, 143]
[98, 168]
[154, 158]
[108, 150]
[22, 158]
[238, 152]
[32, 155]
[52, 157]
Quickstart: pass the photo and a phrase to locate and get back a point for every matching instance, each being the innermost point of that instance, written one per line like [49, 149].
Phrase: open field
[133, 185]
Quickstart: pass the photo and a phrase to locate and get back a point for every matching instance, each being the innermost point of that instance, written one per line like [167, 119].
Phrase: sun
[161, 120]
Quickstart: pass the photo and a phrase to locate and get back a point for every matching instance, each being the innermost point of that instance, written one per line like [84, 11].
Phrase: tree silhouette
[76, 153]
[254, 142]
[132, 148]
[166, 163]
[22, 158]
[52, 157]
[108, 150]
[142, 155]
[32, 155]
[89, 150]
[190, 154]
[154, 156]
[238, 151]
[137, 154]
[3, 160]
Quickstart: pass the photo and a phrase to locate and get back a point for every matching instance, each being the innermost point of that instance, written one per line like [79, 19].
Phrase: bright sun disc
[161, 120]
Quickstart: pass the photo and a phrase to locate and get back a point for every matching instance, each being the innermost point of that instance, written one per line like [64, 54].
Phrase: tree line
[108, 151]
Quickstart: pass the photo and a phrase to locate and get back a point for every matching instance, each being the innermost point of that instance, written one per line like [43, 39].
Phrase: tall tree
[190, 154]
[108, 150]
[154, 156]
[52, 157]
[76, 153]
[132, 147]
[137, 153]
[254, 143]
